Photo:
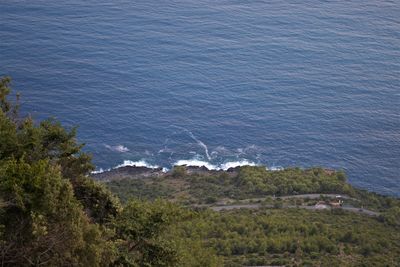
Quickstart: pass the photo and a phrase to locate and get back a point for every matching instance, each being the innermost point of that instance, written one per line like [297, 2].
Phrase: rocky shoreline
[135, 172]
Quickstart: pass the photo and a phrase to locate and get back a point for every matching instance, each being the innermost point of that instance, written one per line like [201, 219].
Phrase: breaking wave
[117, 148]
[234, 164]
[184, 162]
[130, 163]
[225, 166]
[140, 163]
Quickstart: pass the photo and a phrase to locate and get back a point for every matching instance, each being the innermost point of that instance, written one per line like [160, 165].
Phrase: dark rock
[128, 171]
[234, 169]
[134, 172]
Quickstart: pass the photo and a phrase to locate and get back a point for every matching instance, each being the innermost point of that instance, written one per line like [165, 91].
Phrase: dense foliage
[245, 183]
[297, 237]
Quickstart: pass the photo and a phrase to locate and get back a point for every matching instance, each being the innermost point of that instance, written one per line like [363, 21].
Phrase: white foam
[118, 148]
[98, 171]
[225, 166]
[200, 143]
[234, 164]
[101, 170]
[140, 163]
[205, 149]
[188, 162]
[275, 168]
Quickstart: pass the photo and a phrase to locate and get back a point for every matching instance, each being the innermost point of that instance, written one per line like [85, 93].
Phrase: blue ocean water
[281, 83]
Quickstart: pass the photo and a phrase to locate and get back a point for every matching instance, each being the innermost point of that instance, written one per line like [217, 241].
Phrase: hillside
[251, 216]
[199, 186]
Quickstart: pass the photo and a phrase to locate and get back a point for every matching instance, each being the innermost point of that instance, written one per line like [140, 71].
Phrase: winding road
[257, 206]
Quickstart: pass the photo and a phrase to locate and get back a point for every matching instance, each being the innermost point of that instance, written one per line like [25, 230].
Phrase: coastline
[142, 172]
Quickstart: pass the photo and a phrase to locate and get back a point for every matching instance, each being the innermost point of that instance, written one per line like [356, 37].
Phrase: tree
[41, 220]
[22, 138]
[43, 224]
[139, 229]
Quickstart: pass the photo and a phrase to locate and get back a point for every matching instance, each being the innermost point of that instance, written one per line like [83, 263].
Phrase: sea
[219, 83]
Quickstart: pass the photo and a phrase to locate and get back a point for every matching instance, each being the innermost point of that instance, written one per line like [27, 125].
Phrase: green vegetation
[250, 182]
[53, 214]
[297, 237]
[246, 185]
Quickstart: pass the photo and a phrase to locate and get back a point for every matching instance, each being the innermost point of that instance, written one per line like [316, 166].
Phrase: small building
[337, 203]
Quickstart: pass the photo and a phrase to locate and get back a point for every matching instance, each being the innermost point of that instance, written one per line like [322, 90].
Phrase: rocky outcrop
[128, 172]
[134, 172]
